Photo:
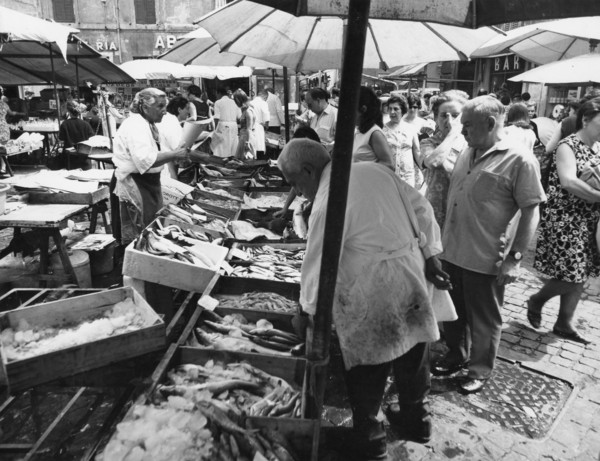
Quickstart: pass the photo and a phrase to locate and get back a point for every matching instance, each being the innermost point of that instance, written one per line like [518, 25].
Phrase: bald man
[381, 310]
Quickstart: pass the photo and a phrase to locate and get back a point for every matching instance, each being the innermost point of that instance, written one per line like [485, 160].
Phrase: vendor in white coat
[382, 309]
[225, 137]
[139, 159]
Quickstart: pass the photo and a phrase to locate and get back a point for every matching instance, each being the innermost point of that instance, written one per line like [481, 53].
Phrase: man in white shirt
[325, 116]
[261, 110]
[225, 137]
[277, 117]
[382, 310]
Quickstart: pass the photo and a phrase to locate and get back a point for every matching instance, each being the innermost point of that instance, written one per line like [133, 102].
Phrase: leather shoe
[534, 317]
[445, 368]
[571, 335]
[413, 421]
[472, 385]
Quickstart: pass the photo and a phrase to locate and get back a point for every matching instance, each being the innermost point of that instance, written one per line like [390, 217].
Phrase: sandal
[535, 318]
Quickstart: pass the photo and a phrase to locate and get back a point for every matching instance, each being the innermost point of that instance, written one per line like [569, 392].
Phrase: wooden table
[48, 219]
[5, 154]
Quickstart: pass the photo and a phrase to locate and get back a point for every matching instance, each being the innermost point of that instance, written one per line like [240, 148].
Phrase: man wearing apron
[225, 137]
[382, 310]
[138, 160]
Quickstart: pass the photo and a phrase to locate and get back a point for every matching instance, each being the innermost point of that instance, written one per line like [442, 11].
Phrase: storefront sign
[162, 43]
[106, 46]
[510, 63]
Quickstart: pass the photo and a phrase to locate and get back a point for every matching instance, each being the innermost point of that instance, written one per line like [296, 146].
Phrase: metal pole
[55, 97]
[77, 78]
[353, 55]
[286, 103]
[273, 79]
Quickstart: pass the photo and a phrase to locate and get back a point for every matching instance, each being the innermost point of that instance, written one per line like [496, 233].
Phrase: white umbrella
[581, 70]
[154, 69]
[547, 42]
[315, 42]
[200, 48]
[19, 26]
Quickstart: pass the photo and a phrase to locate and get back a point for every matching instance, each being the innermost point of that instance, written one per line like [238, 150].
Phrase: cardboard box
[70, 361]
[173, 191]
[170, 272]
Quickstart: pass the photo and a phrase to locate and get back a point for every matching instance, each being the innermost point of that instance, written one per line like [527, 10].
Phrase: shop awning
[25, 62]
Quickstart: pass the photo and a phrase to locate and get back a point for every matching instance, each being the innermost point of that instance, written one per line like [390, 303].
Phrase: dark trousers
[366, 385]
[476, 334]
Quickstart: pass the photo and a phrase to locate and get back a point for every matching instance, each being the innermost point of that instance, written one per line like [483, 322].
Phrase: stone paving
[460, 435]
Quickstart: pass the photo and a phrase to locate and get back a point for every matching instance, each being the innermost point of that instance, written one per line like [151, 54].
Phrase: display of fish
[181, 249]
[267, 271]
[267, 253]
[193, 426]
[227, 204]
[262, 301]
[234, 332]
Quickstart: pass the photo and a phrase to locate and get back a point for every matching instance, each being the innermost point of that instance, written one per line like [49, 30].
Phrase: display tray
[183, 225]
[90, 198]
[220, 211]
[72, 360]
[301, 433]
[279, 321]
[171, 272]
[203, 194]
[227, 184]
[240, 246]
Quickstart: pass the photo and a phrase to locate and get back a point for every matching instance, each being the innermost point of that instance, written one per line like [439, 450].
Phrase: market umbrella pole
[318, 350]
[55, 96]
[286, 103]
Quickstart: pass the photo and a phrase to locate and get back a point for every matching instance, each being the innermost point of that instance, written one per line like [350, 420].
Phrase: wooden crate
[183, 225]
[234, 287]
[238, 196]
[170, 272]
[67, 362]
[280, 245]
[219, 211]
[301, 433]
[89, 198]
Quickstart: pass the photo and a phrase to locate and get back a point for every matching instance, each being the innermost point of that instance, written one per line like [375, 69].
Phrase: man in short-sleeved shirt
[491, 181]
[325, 118]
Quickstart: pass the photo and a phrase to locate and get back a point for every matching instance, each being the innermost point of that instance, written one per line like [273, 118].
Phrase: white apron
[225, 139]
[383, 310]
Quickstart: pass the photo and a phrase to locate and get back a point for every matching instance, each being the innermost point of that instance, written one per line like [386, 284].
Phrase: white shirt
[134, 147]
[261, 110]
[275, 110]
[226, 110]
[324, 124]
[381, 282]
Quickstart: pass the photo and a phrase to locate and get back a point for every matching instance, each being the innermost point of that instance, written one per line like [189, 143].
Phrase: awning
[29, 63]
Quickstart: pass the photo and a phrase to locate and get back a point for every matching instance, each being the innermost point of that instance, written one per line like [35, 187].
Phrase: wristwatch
[517, 255]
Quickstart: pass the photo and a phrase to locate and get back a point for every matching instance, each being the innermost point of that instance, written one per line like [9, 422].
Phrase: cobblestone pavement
[460, 435]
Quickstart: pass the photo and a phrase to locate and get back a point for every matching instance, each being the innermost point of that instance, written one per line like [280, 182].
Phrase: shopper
[566, 247]
[370, 144]
[247, 146]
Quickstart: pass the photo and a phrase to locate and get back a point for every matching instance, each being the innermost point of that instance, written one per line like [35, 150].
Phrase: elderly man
[325, 116]
[492, 180]
[382, 311]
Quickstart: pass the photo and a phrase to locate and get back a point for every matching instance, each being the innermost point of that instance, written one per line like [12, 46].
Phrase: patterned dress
[566, 246]
[4, 128]
[400, 139]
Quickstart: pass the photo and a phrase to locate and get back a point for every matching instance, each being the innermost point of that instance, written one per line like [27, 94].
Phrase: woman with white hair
[139, 159]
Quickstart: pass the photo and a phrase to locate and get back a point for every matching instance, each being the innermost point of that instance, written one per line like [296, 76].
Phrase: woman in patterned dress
[440, 151]
[403, 138]
[566, 247]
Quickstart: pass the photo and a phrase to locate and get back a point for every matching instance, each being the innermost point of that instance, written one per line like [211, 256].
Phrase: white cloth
[381, 306]
[275, 110]
[135, 151]
[225, 138]
[261, 111]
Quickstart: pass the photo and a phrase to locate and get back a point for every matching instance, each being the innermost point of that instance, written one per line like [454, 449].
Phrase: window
[63, 11]
[145, 11]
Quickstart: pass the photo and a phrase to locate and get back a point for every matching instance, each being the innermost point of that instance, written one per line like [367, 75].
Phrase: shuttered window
[145, 11]
[63, 11]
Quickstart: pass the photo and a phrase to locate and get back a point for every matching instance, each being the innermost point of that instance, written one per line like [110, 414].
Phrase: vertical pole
[77, 78]
[55, 97]
[353, 55]
[286, 103]
[273, 79]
